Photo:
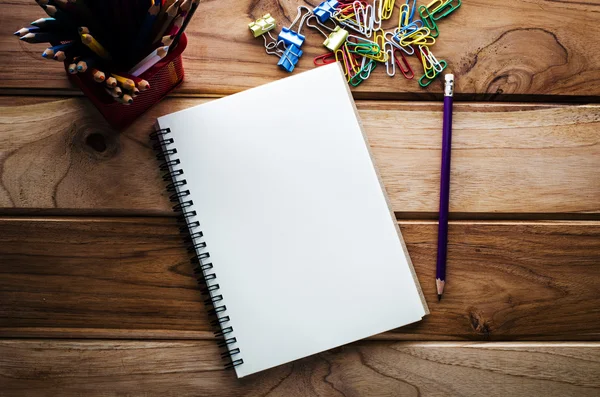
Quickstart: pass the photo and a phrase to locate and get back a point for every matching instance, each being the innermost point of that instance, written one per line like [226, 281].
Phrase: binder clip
[335, 39]
[288, 36]
[325, 10]
[262, 25]
[290, 58]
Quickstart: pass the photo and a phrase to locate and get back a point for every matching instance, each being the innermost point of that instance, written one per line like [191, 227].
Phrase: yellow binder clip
[262, 25]
[336, 39]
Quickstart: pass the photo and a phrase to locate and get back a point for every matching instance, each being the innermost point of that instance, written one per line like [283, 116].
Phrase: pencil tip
[439, 297]
[17, 33]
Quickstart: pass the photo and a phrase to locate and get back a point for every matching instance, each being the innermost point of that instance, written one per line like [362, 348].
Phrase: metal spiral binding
[203, 269]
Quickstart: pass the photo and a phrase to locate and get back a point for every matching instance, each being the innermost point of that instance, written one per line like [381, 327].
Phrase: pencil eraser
[449, 77]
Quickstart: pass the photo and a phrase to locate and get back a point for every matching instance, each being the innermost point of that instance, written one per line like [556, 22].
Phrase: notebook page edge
[387, 200]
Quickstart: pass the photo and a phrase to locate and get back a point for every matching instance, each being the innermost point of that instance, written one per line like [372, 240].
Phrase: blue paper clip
[325, 10]
[289, 37]
[290, 58]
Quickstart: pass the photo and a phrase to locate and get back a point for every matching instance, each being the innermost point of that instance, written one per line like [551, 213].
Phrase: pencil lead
[439, 297]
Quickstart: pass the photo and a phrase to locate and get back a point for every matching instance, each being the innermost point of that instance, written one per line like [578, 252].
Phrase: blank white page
[303, 243]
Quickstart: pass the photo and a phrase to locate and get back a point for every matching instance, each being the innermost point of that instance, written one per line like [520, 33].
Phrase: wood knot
[479, 324]
[96, 141]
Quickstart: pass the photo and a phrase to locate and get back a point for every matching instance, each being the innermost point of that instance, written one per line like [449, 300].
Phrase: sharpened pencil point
[439, 297]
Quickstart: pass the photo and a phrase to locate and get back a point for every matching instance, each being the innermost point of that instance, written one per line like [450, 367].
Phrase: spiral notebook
[293, 233]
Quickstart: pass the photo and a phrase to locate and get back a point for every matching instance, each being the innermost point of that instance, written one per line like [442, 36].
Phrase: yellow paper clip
[262, 25]
[435, 5]
[387, 9]
[404, 14]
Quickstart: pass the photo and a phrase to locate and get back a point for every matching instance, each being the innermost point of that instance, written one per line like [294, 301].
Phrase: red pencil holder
[163, 77]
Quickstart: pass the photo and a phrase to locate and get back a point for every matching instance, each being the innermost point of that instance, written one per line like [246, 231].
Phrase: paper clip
[379, 40]
[325, 10]
[435, 5]
[324, 59]
[420, 36]
[362, 46]
[394, 42]
[424, 81]
[428, 21]
[404, 66]
[412, 10]
[376, 20]
[430, 58]
[290, 58]
[262, 25]
[390, 66]
[443, 11]
[387, 8]
[288, 36]
[363, 74]
[404, 18]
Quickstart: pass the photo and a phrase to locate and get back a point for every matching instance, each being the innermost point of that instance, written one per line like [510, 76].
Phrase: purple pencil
[440, 272]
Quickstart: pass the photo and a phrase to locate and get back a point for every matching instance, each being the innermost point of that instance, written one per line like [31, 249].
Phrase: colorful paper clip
[428, 21]
[325, 10]
[445, 9]
[290, 58]
[324, 59]
[262, 25]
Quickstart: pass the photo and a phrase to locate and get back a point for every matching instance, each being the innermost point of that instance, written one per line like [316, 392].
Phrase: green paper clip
[425, 80]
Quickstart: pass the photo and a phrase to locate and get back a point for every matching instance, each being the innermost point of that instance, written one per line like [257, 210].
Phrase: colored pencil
[72, 68]
[43, 37]
[47, 23]
[149, 20]
[97, 75]
[111, 82]
[51, 51]
[185, 24]
[95, 46]
[113, 41]
[126, 83]
[86, 63]
[149, 61]
[23, 31]
[170, 15]
[60, 56]
[59, 15]
[440, 277]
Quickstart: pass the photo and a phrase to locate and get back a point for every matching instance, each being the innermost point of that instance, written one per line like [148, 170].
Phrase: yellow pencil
[126, 83]
[93, 45]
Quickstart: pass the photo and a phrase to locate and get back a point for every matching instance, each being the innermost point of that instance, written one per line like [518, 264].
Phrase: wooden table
[96, 293]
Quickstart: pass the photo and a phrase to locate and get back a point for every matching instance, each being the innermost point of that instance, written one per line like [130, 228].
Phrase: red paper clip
[405, 69]
[324, 59]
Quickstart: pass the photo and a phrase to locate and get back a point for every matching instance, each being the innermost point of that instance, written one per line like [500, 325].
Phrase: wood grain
[507, 158]
[496, 49]
[130, 278]
[186, 368]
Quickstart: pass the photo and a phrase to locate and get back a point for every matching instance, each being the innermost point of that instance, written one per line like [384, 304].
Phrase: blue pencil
[147, 24]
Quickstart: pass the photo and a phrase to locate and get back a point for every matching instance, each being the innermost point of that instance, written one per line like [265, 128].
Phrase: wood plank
[130, 278]
[507, 158]
[488, 45]
[159, 368]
